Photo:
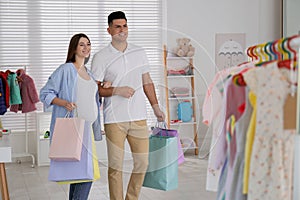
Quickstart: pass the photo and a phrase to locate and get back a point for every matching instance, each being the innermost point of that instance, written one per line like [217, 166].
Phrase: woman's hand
[70, 106]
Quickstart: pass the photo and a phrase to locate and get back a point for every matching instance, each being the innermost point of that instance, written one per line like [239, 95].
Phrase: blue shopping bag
[75, 170]
[162, 172]
[160, 129]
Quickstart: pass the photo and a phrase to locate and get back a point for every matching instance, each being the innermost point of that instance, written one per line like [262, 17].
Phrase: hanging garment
[241, 126]
[28, 92]
[3, 108]
[3, 76]
[14, 89]
[233, 98]
[249, 142]
[212, 116]
[225, 173]
[272, 154]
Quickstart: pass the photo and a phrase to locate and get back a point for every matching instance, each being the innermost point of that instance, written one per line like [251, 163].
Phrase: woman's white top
[86, 104]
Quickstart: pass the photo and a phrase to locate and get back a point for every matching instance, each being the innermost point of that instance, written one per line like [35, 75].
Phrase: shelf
[43, 120]
[180, 76]
[182, 123]
[178, 58]
[180, 79]
[188, 148]
[187, 143]
[180, 98]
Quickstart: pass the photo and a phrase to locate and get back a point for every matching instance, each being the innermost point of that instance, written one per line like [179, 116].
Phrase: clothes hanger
[258, 53]
[275, 52]
[294, 52]
[287, 54]
[285, 62]
[252, 53]
[281, 49]
[249, 53]
[290, 55]
[265, 56]
[268, 50]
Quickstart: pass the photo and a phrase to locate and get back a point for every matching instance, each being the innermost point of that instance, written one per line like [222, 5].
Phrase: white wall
[200, 20]
[291, 17]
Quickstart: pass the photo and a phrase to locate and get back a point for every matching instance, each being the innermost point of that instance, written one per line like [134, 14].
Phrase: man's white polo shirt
[122, 69]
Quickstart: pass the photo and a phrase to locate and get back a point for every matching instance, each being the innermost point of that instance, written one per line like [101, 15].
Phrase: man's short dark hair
[116, 15]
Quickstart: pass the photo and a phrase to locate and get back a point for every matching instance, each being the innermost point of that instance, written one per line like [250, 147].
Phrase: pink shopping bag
[81, 170]
[66, 143]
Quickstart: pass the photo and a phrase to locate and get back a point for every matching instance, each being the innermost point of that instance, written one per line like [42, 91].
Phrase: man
[126, 67]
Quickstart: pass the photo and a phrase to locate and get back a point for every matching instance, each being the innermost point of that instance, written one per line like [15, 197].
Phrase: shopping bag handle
[69, 113]
[161, 124]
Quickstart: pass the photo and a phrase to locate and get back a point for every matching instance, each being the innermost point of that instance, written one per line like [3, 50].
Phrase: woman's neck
[79, 64]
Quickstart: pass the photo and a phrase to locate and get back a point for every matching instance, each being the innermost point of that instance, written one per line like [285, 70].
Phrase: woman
[71, 86]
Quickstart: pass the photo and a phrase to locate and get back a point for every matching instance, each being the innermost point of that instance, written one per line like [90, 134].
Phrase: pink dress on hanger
[272, 154]
[211, 113]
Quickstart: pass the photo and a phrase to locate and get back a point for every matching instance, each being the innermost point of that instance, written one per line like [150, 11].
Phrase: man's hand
[158, 113]
[106, 84]
[125, 91]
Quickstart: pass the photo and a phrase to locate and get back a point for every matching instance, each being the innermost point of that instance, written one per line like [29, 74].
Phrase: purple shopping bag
[172, 133]
[75, 170]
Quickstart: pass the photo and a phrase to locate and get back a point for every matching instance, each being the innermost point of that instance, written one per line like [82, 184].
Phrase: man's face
[118, 30]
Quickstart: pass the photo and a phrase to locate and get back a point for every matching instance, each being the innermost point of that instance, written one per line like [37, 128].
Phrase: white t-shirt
[86, 102]
[122, 69]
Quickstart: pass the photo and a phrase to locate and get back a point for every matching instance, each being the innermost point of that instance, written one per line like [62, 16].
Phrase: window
[36, 34]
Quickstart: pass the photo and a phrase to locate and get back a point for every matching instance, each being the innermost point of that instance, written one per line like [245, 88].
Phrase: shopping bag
[66, 142]
[60, 170]
[162, 172]
[157, 130]
[95, 167]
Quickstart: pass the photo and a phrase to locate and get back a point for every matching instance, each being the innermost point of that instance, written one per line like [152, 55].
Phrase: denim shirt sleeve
[97, 123]
[60, 84]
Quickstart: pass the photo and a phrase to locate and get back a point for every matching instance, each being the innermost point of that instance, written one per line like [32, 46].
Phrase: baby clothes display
[253, 139]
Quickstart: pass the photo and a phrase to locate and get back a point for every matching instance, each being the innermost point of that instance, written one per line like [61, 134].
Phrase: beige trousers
[137, 135]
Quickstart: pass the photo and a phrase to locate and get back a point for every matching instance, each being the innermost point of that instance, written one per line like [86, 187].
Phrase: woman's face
[83, 48]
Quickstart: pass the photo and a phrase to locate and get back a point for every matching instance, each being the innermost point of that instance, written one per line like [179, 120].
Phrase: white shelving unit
[43, 124]
[185, 80]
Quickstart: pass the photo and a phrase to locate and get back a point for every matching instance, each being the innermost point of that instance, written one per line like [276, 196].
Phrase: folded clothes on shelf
[180, 92]
[183, 71]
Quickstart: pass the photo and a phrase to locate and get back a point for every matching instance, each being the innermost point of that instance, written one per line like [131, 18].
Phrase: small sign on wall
[229, 49]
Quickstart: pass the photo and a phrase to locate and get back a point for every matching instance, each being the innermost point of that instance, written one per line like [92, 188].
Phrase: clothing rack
[287, 47]
[26, 153]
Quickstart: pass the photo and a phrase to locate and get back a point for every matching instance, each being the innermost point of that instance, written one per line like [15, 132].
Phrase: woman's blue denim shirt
[62, 84]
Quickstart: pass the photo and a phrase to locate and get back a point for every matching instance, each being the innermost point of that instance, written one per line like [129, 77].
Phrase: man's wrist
[155, 106]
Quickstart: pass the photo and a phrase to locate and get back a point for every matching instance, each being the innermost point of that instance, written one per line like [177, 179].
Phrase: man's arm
[107, 91]
[149, 91]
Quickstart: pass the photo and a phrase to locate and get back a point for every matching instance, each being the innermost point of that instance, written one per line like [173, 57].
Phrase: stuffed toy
[184, 48]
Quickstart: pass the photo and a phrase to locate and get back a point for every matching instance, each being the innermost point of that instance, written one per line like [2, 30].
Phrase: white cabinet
[43, 124]
[179, 90]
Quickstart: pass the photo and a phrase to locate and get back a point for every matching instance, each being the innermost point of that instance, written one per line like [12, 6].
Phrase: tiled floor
[26, 183]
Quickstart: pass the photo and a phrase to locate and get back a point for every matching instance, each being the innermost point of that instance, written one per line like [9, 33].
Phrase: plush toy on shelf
[184, 48]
